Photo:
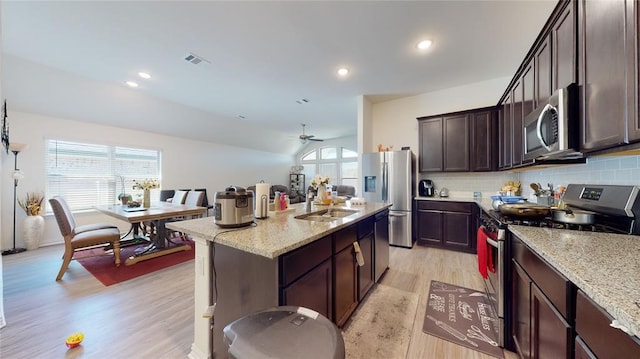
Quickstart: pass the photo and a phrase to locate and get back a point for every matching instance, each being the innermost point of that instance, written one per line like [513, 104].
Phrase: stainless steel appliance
[551, 130]
[389, 177]
[381, 244]
[233, 207]
[426, 188]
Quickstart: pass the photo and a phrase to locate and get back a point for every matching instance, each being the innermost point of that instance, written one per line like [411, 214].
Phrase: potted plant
[123, 196]
[33, 225]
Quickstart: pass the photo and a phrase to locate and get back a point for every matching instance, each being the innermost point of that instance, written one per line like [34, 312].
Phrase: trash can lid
[284, 332]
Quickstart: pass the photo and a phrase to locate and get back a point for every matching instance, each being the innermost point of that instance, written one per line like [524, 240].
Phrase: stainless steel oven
[551, 130]
[495, 282]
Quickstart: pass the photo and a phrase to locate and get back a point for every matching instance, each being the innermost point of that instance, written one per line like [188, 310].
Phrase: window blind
[87, 174]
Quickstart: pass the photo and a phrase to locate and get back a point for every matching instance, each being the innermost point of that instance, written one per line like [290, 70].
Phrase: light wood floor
[152, 316]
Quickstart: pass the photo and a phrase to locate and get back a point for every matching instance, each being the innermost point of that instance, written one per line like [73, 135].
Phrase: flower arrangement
[320, 180]
[32, 203]
[146, 184]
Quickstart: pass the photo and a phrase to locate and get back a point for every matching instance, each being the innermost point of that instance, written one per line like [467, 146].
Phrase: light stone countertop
[604, 266]
[279, 233]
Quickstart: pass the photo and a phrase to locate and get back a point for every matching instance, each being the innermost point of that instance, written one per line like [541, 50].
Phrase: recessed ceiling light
[424, 44]
[132, 84]
[343, 72]
[144, 75]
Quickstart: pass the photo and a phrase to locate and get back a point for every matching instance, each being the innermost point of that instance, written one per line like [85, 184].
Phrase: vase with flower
[123, 196]
[146, 186]
[320, 182]
[33, 224]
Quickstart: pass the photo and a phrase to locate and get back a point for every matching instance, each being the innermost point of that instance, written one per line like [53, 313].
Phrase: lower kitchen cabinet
[324, 275]
[540, 326]
[314, 290]
[596, 338]
[448, 225]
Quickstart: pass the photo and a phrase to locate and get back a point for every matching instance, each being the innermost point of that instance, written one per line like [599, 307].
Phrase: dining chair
[83, 237]
[179, 197]
[205, 200]
[193, 198]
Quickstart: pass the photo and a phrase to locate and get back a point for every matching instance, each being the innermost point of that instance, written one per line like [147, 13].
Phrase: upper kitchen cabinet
[484, 132]
[517, 127]
[431, 149]
[607, 43]
[563, 50]
[505, 135]
[459, 142]
[456, 143]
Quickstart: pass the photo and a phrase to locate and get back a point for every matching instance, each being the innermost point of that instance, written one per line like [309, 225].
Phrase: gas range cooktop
[616, 208]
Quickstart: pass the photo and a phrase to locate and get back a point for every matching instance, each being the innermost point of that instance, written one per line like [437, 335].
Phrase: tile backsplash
[617, 170]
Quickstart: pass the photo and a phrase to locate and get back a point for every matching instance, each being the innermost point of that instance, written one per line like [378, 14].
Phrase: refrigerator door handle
[397, 214]
[385, 182]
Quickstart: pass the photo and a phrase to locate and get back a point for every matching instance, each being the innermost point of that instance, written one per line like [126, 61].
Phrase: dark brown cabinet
[484, 144]
[306, 277]
[505, 136]
[459, 142]
[431, 140]
[365, 272]
[564, 48]
[345, 272]
[539, 89]
[456, 143]
[596, 338]
[448, 225]
[516, 118]
[541, 310]
[607, 42]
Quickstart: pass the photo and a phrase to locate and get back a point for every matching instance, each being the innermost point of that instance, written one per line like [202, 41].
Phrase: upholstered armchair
[82, 237]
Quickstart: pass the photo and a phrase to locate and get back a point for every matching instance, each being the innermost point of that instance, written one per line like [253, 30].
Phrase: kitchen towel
[262, 206]
[485, 254]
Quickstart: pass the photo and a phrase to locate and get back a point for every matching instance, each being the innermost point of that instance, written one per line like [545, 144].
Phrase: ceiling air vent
[195, 59]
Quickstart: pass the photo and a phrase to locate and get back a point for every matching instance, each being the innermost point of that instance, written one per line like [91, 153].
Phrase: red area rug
[102, 265]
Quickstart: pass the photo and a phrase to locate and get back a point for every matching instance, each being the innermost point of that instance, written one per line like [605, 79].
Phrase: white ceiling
[264, 56]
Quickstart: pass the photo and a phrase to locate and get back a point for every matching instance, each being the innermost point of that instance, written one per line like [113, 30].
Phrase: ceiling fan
[304, 138]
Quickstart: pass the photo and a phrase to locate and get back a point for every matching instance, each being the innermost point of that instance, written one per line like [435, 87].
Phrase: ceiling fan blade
[315, 139]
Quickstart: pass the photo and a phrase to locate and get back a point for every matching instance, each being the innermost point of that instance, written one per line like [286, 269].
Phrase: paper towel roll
[262, 200]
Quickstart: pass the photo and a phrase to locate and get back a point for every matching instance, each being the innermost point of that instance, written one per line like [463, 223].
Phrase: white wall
[185, 164]
[394, 122]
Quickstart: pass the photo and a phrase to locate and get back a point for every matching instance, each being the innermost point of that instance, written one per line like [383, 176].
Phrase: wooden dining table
[159, 243]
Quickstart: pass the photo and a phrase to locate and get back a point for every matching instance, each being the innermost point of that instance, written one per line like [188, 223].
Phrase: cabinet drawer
[446, 206]
[554, 285]
[344, 238]
[296, 263]
[592, 325]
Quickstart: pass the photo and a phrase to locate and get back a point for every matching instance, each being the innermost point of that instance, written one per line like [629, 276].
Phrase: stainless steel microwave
[551, 130]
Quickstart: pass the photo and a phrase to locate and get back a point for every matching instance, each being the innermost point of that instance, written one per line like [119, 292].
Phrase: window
[340, 164]
[87, 174]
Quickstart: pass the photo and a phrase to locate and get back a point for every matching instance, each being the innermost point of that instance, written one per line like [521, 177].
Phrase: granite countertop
[277, 234]
[604, 266]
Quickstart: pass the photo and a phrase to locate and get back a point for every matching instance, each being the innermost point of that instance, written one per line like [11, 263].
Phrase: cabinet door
[543, 77]
[483, 126]
[550, 333]
[521, 314]
[582, 350]
[456, 143]
[456, 230]
[604, 97]
[431, 145]
[345, 285]
[505, 133]
[563, 37]
[517, 101]
[430, 227]
[313, 290]
[365, 272]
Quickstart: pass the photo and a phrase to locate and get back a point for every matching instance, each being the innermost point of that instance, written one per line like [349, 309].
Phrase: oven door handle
[492, 242]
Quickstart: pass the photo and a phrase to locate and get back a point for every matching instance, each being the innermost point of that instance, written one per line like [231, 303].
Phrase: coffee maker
[426, 188]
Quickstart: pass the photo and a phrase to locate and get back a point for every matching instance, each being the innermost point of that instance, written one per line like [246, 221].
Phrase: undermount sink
[327, 215]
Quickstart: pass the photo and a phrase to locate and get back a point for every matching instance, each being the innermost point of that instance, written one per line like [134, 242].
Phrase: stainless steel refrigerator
[389, 177]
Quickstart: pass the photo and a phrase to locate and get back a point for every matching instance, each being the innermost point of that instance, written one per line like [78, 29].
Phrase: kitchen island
[238, 269]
